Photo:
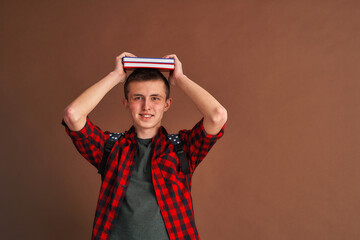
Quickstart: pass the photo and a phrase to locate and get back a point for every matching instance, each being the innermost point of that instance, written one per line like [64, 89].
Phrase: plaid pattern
[172, 193]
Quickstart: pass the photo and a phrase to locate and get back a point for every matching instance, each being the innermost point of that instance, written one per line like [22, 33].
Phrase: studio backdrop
[287, 72]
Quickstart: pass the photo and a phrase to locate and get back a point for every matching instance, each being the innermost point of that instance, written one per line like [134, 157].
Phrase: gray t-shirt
[139, 216]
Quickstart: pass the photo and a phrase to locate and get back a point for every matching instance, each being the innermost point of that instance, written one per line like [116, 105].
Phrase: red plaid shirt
[172, 193]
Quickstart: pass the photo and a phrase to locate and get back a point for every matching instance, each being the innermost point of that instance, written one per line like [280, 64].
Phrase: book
[163, 64]
[149, 60]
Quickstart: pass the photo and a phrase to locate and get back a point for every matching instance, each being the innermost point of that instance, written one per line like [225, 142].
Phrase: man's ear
[167, 104]
[126, 103]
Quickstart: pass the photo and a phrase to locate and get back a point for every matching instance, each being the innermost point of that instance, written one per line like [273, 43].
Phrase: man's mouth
[146, 116]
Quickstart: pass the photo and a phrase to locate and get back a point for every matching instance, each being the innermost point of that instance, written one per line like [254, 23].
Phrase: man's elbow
[220, 116]
[73, 120]
[70, 115]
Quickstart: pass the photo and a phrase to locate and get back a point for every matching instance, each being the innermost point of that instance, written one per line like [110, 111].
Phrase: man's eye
[137, 98]
[155, 98]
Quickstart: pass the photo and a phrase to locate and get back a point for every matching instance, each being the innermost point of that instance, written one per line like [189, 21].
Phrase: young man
[144, 193]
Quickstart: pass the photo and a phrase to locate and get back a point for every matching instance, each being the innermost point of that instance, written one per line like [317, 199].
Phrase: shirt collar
[159, 137]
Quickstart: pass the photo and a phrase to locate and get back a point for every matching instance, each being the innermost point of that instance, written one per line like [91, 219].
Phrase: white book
[148, 65]
[149, 60]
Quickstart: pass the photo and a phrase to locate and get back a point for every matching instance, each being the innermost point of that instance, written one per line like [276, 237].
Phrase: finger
[126, 54]
[175, 58]
[170, 56]
[177, 61]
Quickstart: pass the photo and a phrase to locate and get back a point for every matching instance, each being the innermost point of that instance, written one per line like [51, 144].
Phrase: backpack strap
[178, 146]
[108, 146]
[174, 138]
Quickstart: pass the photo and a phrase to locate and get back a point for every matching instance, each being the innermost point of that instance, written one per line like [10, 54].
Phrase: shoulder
[114, 136]
[174, 138]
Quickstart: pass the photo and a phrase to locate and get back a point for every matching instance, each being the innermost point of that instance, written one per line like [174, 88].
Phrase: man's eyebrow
[153, 95]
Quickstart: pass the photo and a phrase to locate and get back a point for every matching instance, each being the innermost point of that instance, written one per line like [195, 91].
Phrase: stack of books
[163, 64]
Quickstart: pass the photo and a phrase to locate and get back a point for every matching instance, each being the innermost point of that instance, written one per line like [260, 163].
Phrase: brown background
[287, 72]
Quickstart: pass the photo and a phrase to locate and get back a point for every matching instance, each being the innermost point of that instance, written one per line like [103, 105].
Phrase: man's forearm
[75, 114]
[214, 113]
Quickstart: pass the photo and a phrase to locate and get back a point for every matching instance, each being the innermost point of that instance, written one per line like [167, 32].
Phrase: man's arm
[75, 114]
[215, 115]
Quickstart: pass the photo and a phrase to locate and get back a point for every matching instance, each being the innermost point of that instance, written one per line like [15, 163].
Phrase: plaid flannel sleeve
[89, 141]
[197, 143]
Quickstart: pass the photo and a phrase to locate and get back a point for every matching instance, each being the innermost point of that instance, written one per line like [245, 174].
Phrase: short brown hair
[146, 74]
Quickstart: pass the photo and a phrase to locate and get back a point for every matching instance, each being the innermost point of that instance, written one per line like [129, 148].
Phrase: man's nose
[147, 104]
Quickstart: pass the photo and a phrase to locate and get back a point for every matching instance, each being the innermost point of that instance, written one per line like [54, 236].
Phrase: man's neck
[146, 133]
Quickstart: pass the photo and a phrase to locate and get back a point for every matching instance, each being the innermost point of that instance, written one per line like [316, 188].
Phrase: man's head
[147, 98]
[146, 74]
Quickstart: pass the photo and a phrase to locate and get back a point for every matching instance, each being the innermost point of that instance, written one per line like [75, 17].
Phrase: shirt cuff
[82, 133]
[209, 136]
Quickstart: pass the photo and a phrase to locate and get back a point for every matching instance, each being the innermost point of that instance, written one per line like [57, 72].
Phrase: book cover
[149, 60]
[163, 64]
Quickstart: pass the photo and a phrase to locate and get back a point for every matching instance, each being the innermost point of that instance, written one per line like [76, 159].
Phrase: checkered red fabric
[171, 189]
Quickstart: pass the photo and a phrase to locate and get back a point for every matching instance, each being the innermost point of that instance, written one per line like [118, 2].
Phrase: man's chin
[146, 125]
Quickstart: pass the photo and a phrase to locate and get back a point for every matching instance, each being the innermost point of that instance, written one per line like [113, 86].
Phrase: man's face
[147, 103]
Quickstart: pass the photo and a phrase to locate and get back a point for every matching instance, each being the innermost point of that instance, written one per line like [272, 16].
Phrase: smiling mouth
[146, 116]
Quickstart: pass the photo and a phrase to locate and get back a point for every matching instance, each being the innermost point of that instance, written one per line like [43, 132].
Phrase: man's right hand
[119, 68]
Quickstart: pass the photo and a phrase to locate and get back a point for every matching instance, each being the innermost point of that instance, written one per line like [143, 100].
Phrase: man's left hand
[177, 73]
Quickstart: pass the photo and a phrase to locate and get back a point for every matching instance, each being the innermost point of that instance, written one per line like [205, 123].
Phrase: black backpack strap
[175, 139]
[178, 146]
[108, 146]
